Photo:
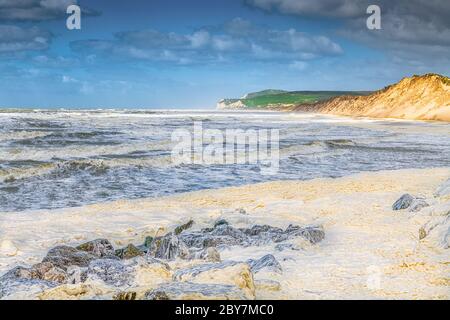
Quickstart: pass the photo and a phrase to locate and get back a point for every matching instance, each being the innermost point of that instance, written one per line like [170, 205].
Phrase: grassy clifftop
[283, 99]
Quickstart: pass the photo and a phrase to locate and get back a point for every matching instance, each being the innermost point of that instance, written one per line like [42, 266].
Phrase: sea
[69, 158]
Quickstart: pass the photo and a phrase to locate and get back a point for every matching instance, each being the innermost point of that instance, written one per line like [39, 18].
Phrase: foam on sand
[369, 250]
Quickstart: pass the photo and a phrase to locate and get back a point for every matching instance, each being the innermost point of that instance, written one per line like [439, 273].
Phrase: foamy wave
[22, 135]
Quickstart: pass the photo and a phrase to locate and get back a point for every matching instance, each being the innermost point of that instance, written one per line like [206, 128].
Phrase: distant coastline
[425, 97]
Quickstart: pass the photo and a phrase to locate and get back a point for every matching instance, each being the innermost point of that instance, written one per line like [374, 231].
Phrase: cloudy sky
[190, 53]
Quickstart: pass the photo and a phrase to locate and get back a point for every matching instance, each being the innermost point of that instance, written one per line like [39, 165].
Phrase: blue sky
[189, 54]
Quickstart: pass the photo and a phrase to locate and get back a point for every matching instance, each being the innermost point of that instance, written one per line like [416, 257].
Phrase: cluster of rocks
[410, 202]
[438, 221]
[95, 269]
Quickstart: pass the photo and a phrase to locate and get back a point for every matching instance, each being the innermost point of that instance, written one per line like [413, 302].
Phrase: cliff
[424, 97]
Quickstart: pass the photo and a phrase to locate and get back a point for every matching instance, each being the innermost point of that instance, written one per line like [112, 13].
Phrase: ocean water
[58, 159]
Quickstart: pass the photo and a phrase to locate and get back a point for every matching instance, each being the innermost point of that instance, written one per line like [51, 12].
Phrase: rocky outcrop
[225, 235]
[96, 270]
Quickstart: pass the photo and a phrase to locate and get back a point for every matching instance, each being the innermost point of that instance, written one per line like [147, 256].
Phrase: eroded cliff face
[229, 104]
[424, 97]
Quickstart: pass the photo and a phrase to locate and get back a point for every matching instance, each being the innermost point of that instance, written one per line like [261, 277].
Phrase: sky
[191, 53]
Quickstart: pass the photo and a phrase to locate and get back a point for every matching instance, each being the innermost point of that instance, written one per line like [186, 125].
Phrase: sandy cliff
[424, 97]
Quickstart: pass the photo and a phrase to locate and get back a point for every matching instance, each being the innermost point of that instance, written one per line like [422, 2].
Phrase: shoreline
[361, 231]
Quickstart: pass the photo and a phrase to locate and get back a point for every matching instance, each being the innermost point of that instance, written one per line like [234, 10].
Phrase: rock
[65, 256]
[417, 205]
[268, 262]
[264, 230]
[314, 234]
[233, 273]
[112, 272]
[183, 227]
[224, 235]
[148, 241]
[220, 222]
[195, 291]
[99, 247]
[169, 247]
[131, 295]
[41, 271]
[49, 272]
[422, 233]
[18, 272]
[17, 284]
[210, 254]
[403, 202]
[7, 248]
[129, 252]
[241, 211]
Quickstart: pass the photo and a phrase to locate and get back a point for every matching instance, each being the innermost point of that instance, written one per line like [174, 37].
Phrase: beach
[365, 240]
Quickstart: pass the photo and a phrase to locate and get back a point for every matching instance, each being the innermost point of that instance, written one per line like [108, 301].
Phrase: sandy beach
[369, 250]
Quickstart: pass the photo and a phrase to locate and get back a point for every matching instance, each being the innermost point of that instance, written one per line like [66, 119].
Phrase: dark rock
[129, 252]
[19, 272]
[241, 211]
[158, 294]
[112, 272]
[183, 227]
[65, 256]
[314, 234]
[268, 262]
[148, 241]
[41, 271]
[125, 296]
[99, 247]
[195, 291]
[169, 247]
[220, 222]
[257, 230]
[403, 202]
[18, 280]
[224, 235]
[49, 272]
[422, 233]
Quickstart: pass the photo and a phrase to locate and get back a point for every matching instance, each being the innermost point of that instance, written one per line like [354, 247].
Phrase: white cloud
[237, 39]
[16, 39]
